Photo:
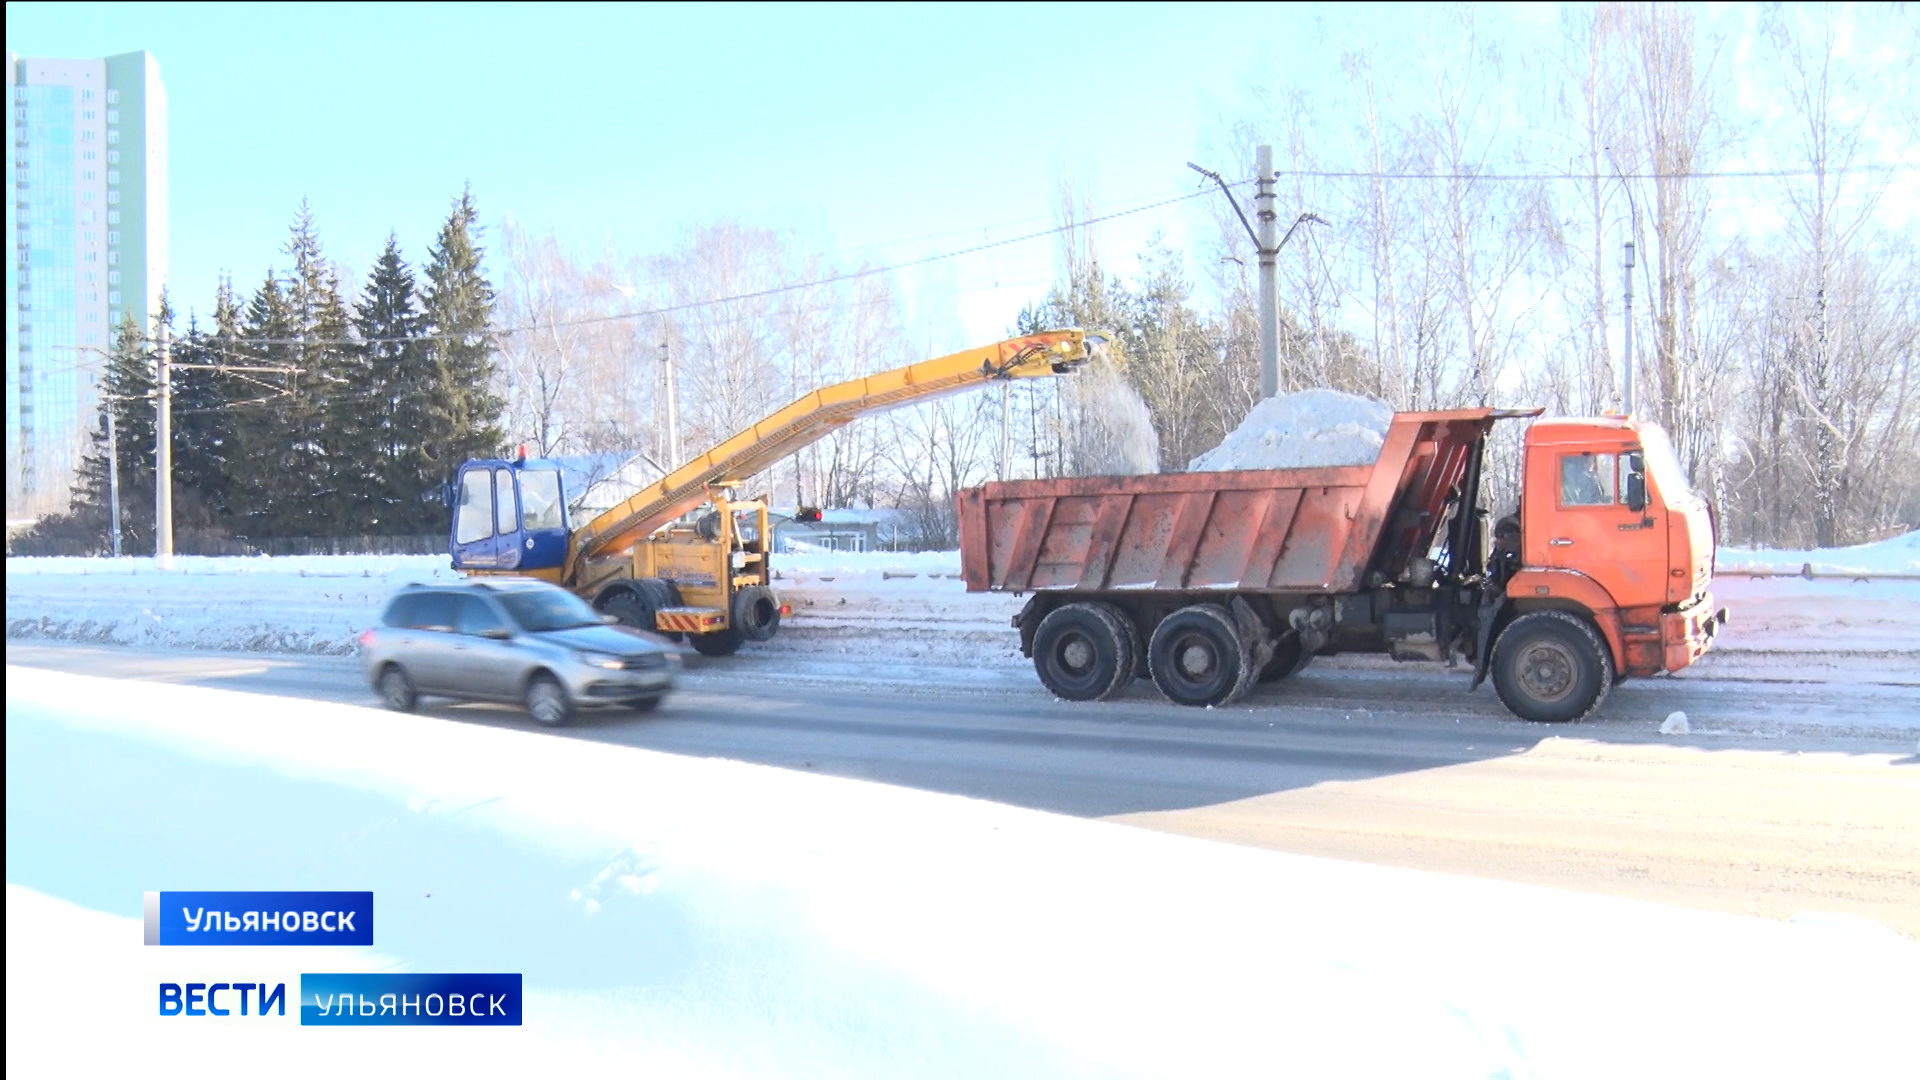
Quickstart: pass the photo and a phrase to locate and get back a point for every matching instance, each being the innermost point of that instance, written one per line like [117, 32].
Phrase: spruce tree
[463, 411]
[128, 391]
[261, 471]
[398, 377]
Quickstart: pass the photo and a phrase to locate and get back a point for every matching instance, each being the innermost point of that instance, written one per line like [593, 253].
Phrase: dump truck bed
[1276, 530]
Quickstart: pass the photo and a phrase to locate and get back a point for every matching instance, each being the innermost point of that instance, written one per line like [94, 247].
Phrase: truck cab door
[1603, 524]
[486, 518]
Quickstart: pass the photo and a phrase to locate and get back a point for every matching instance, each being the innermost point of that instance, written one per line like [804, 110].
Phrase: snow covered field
[682, 916]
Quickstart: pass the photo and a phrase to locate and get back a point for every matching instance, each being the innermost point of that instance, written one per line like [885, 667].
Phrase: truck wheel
[661, 594]
[718, 643]
[1134, 663]
[1197, 656]
[1551, 667]
[1289, 659]
[756, 612]
[1081, 652]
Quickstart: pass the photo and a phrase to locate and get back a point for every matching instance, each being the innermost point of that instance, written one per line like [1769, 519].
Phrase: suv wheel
[396, 690]
[547, 701]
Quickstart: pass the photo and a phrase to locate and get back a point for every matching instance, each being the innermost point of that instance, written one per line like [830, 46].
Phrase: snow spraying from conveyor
[1310, 429]
[1115, 434]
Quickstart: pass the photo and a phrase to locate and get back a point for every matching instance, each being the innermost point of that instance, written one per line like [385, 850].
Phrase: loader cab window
[473, 519]
[506, 511]
[540, 505]
[1588, 480]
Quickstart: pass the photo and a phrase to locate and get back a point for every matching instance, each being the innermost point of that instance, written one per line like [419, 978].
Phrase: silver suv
[512, 639]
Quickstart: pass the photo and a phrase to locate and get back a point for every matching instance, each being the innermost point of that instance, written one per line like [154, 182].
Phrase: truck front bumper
[1688, 633]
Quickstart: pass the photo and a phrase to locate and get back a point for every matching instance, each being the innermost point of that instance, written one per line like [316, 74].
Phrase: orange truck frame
[1210, 582]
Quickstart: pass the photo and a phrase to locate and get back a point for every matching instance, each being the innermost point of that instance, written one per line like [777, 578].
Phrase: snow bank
[1898, 555]
[1304, 430]
[704, 917]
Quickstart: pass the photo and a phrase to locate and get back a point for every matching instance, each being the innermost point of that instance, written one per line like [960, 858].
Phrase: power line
[1730, 174]
[757, 294]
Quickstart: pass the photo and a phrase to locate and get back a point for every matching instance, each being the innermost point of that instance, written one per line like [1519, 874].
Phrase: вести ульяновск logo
[370, 1000]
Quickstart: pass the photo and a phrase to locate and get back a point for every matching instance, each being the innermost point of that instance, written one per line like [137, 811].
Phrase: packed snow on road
[687, 916]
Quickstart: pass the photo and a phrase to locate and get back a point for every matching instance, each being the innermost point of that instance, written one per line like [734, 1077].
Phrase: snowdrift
[682, 916]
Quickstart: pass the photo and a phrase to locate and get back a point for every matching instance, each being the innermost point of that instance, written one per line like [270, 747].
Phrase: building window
[113, 257]
[113, 97]
[112, 136]
[113, 278]
[113, 297]
[113, 116]
[86, 95]
[86, 114]
[89, 156]
[113, 157]
[113, 217]
[113, 237]
[113, 176]
[112, 196]
[87, 174]
[92, 256]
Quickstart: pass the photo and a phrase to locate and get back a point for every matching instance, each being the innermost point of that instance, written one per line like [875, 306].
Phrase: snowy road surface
[1788, 798]
[680, 916]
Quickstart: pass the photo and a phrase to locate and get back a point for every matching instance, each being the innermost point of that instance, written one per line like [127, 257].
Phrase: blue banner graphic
[259, 918]
[389, 1000]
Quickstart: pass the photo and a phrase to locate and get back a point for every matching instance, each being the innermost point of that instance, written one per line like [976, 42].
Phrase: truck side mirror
[1636, 483]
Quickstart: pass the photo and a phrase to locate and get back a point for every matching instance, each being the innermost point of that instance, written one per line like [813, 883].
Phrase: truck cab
[1610, 526]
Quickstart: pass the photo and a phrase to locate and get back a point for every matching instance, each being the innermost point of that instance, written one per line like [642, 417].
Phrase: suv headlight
[601, 660]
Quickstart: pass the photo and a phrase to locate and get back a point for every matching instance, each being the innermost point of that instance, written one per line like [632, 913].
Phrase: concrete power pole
[1626, 374]
[1269, 273]
[113, 480]
[163, 460]
[673, 410]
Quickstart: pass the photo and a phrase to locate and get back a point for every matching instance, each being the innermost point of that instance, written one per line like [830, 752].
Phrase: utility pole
[113, 480]
[1626, 375]
[1269, 274]
[163, 458]
[1006, 428]
[1263, 242]
[673, 410]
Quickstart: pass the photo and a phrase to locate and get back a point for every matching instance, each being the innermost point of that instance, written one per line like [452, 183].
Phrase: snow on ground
[682, 916]
[1897, 555]
[1304, 430]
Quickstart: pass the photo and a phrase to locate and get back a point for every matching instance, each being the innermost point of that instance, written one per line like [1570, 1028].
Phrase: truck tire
[661, 594]
[1289, 659]
[1082, 652]
[1134, 666]
[631, 605]
[756, 612]
[1551, 667]
[1197, 657]
[718, 643]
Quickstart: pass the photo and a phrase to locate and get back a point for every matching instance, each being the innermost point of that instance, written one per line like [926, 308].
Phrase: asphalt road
[1395, 767]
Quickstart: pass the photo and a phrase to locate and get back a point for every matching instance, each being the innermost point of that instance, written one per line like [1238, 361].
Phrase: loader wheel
[1551, 667]
[661, 594]
[718, 643]
[1082, 652]
[756, 612]
[630, 607]
[1197, 656]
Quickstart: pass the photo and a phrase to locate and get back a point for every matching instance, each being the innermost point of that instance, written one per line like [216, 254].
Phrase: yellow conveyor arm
[813, 417]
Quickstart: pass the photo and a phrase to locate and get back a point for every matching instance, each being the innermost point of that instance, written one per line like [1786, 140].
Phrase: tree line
[300, 412]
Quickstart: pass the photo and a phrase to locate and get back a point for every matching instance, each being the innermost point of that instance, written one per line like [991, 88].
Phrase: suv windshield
[546, 609]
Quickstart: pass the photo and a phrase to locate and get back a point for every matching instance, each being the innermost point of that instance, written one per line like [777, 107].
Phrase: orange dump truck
[1208, 582]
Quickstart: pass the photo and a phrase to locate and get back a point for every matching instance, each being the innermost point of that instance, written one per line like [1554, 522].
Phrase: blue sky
[857, 126]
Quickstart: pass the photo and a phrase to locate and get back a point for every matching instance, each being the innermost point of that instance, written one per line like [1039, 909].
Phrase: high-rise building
[87, 232]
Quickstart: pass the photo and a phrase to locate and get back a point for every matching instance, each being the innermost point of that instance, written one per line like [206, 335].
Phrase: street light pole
[163, 459]
[113, 481]
[673, 409]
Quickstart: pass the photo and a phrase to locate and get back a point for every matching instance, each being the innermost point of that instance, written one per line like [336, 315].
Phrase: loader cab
[1607, 498]
[509, 515]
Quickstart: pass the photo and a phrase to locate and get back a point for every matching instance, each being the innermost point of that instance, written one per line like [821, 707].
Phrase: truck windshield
[1665, 467]
[539, 499]
[547, 609]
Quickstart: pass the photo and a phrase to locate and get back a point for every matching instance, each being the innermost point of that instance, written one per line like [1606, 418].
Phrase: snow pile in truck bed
[1310, 429]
